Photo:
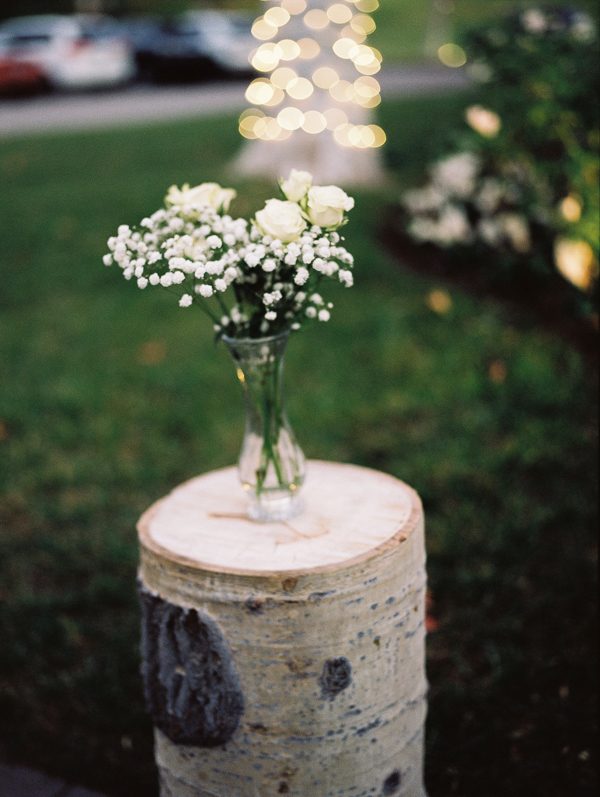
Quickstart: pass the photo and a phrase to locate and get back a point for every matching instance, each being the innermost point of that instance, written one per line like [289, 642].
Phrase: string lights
[317, 74]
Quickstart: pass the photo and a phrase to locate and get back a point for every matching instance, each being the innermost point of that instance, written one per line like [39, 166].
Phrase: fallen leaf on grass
[152, 352]
[497, 372]
[431, 623]
[439, 301]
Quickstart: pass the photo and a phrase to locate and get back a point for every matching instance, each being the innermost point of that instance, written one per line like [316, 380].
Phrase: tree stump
[286, 658]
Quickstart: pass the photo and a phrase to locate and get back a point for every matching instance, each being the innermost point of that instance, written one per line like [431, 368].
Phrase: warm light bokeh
[336, 36]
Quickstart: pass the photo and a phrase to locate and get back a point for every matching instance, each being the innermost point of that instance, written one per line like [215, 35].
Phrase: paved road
[154, 103]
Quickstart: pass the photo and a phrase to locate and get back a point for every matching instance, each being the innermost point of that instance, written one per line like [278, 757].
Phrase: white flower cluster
[262, 276]
[539, 22]
[192, 245]
[461, 205]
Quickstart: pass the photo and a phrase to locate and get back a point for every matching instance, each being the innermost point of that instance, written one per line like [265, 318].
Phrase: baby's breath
[249, 281]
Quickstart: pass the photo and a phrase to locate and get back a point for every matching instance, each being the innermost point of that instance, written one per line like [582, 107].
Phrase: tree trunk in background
[286, 658]
[318, 153]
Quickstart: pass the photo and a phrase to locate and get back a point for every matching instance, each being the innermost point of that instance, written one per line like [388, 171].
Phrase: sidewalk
[22, 782]
[160, 103]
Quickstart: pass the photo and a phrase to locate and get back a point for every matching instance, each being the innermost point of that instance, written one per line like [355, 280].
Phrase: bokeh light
[316, 19]
[262, 30]
[314, 122]
[368, 6]
[294, 7]
[283, 76]
[340, 28]
[290, 118]
[300, 89]
[339, 13]
[325, 77]
[452, 55]
[309, 49]
[364, 24]
[277, 16]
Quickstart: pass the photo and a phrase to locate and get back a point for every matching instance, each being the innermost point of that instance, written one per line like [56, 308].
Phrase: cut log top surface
[350, 512]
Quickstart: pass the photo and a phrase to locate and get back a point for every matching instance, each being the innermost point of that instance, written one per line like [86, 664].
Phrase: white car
[227, 38]
[73, 52]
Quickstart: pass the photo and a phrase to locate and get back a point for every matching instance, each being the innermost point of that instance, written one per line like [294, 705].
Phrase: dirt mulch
[532, 299]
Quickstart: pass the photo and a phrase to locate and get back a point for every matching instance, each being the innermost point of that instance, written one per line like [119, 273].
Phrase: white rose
[576, 262]
[583, 28]
[327, 205]
[210, 195]
[457, 174]
[485, 122]
[534, 21]
[296, 186]
[516, 229]
[423, 200]
[281, 220]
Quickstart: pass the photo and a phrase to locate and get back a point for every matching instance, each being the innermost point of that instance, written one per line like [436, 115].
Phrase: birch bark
[287, 658]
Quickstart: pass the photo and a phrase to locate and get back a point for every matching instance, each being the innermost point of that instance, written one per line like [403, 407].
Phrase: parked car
[169, 50]
[193, 46]
[72, 52]
[230, 38]
[20, 77]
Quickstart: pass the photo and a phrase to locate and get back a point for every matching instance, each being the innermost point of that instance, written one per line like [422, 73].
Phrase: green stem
[222, 305]
[201, 303]
[271, 416]
[274, 427]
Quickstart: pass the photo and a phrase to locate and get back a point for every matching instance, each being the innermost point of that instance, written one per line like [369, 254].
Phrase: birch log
[286, 658]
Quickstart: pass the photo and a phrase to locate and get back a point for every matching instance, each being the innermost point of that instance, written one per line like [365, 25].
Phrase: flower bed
[515, 199]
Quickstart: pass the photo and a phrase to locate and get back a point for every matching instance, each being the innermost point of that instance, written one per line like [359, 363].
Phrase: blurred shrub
[518, 191]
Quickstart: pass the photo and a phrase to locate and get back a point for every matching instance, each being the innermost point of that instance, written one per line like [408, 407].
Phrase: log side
[307, 681]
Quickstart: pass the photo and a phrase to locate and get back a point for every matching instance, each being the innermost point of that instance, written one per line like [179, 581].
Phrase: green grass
[110, 397]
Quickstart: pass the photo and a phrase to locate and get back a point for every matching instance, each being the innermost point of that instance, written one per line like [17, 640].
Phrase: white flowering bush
[518, 190]
[467, 203]
[253, 278]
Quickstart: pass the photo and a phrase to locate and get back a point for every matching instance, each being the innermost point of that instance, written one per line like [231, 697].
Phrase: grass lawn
[110, 397]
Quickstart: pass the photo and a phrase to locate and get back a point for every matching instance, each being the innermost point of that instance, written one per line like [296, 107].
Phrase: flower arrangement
[252, 278]
[257, 280]
[518, 188]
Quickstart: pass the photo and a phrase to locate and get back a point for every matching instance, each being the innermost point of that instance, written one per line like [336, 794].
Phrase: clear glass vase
[271, 464]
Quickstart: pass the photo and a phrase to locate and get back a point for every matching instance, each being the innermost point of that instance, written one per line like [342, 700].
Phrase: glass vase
[271, 464]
